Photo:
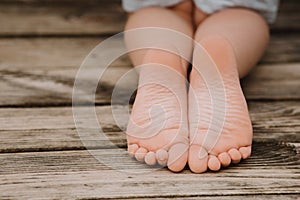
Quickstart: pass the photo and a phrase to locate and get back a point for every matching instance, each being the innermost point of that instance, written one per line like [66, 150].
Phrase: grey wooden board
[62, 53]
[53, 128]
[65, 18]
[91, 17]
[277, 82]
[265, 155]
[37, 72]
[113, 184]
[53, 86]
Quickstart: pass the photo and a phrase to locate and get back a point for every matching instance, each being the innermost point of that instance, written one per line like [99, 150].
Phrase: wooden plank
[283, 48]
[47, 53]
[53, 86]
[64, 53]
[265, 155]
[54, 18]
[277, 82]
[111, 184]
[40, 72]
[49, 129]
[48, 17]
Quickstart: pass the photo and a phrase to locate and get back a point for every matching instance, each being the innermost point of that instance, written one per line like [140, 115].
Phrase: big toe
[198, 158]
[178, 155]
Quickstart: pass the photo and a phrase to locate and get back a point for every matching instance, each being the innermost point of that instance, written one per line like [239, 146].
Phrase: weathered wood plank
[108, 184]
[49, 129]
[42, 71]
[91, 17]
[53, 86]
[265, 155]
[44, 53]
[283, 47]
[277, 82]
[55, 18]
[65, 53]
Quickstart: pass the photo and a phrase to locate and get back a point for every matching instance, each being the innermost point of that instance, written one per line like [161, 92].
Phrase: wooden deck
[42, 44]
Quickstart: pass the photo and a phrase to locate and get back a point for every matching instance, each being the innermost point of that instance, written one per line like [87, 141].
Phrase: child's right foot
[210, 149]
[157, 131]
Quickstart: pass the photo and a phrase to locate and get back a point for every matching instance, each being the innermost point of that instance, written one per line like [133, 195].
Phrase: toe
[132, 149]
[213, 163]
[150, 158]
[235, 155]
[245, 152]
[178, 155]
[140, 154]
[198, 158]
[162, 157]
[225, 159]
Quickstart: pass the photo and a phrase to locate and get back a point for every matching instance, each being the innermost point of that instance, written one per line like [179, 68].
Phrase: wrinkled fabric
[267, 8]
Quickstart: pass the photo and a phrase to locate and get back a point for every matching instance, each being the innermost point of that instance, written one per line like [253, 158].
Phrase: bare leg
[162, 88]
[235, 39]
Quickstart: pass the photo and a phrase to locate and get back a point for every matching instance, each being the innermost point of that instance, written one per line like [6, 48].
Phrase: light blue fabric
[267, 8]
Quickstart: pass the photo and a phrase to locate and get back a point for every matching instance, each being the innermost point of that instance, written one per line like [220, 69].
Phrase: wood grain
[52, 86]
[55, 18]
[65, 53]
[276, 82]
[264, 155]
[53, 129]
[37, 72]
[48, 17]
[111, 184]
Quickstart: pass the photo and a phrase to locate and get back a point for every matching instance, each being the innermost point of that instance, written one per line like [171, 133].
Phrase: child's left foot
[234, 141]
[157, 131]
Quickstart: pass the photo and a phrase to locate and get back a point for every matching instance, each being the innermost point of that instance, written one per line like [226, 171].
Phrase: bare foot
[157, 132]
[234, 141]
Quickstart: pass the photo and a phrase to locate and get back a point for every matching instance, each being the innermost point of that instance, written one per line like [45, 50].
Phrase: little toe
[140, 154]
[150, 158]
[198, 158]
[245, 152]
[178, 155]
[162, 157]
[213, 163]
[132, 149]
[225, 159]
[235, 155]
